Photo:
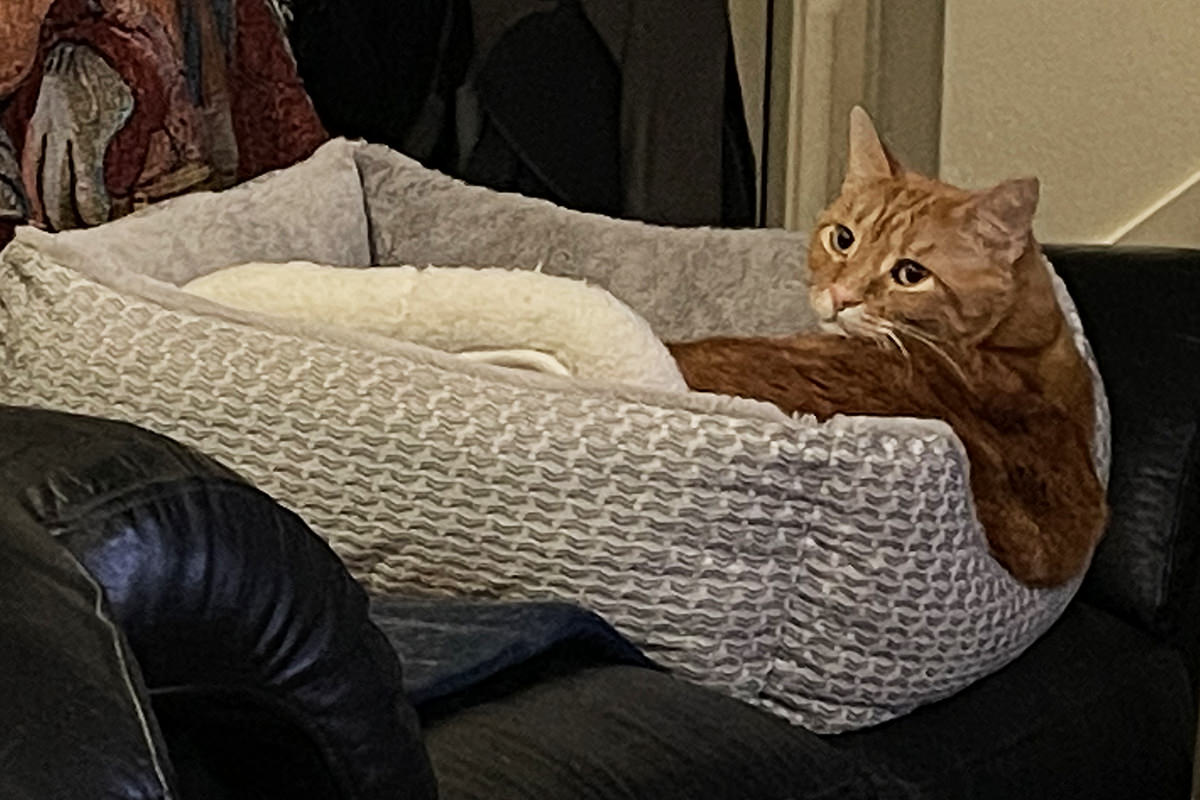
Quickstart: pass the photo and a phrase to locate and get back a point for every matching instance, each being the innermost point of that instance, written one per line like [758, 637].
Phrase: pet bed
[833, 573]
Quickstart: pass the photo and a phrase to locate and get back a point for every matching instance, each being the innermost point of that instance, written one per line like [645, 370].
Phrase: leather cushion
[76, 717]
[227, 599]
[1095, 710]
[555, 730]
[1139, 311]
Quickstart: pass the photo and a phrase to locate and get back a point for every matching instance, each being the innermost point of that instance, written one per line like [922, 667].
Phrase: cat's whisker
[881, 331]
[881, 337]
[930, 342]
[886, 331]
[875, 335]
[894, 339]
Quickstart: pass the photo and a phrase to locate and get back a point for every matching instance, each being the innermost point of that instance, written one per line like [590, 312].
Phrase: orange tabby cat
[936, 304]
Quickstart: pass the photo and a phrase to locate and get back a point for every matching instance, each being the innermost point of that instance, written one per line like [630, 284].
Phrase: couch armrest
[1139, 311]
[244, 623]
[75, 709]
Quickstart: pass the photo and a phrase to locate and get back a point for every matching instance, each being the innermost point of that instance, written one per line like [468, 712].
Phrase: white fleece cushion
[510, 318]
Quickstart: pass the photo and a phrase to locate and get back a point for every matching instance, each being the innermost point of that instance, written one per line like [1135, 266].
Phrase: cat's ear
[1010, 206]
[1004, 215]
[869, 158]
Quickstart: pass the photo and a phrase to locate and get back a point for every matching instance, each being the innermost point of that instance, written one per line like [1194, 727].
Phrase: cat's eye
[908, 272]
[840, 238]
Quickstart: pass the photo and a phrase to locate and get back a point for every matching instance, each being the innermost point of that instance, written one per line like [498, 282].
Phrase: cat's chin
[828, 326]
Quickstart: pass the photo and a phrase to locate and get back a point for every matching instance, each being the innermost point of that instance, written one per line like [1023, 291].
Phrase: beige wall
[1098, 98]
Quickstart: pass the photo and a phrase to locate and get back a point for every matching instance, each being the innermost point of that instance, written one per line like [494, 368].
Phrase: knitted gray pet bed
[832, 573]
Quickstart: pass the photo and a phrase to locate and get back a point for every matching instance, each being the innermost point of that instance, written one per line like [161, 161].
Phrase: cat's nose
[841, 297]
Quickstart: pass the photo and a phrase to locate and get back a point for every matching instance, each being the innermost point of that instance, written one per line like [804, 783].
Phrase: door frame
[824, 57]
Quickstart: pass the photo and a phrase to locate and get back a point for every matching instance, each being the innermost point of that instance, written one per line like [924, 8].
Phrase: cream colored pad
[509, 318]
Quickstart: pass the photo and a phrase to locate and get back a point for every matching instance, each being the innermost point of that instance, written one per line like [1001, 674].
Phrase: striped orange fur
[935, 303]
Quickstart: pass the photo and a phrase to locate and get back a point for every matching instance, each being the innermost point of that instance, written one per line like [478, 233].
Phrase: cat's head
[896, 248]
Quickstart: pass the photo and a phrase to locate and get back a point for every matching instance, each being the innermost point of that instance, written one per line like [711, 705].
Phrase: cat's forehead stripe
[867, 217]
[891, 220]
[899, 214]
[887, 221]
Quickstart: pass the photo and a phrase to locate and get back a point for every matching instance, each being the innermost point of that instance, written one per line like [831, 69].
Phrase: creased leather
[77, 723]
[1138, 309]
[219, 590]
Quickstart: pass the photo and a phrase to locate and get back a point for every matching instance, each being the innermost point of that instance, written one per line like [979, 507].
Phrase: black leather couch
[168, 631]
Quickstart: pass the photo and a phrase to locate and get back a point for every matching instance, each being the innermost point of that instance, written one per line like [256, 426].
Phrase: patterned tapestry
[109, 105]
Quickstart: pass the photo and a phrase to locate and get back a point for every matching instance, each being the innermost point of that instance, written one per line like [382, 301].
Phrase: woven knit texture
[833, 573]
